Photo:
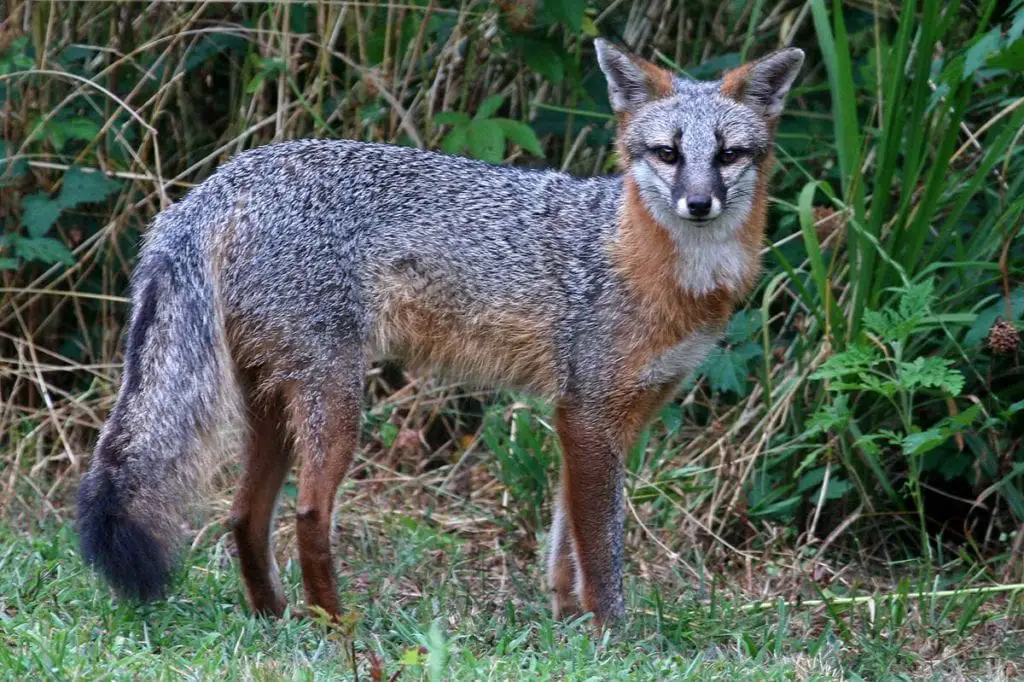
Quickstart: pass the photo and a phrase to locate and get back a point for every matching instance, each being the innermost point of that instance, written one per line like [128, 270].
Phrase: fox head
[696, 149]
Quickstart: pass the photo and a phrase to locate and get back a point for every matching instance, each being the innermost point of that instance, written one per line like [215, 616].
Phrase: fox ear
[764, 84]
[631, 81]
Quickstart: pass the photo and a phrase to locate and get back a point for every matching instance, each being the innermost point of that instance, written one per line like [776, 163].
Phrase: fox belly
[432, 327]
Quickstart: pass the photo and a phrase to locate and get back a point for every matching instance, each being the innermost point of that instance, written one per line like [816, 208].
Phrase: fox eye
[667, 155]
[729, 155]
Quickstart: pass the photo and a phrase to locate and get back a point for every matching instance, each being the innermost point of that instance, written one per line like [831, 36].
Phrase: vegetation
[858, 443]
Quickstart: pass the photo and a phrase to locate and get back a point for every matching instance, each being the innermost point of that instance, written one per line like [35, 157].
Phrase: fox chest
[675, 362]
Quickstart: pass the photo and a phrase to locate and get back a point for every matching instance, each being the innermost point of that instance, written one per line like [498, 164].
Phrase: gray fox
[260, 297]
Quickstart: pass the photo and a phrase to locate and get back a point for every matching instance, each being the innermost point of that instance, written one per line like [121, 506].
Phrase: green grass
[900, 168]
[429, 605]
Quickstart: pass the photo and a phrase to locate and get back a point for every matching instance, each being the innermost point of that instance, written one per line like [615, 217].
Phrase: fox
[260, 298]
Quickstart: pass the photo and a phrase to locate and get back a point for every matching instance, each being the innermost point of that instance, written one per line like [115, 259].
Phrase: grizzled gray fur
[296, 264]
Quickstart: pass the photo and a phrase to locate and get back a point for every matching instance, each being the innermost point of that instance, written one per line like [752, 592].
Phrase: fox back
[261, 297]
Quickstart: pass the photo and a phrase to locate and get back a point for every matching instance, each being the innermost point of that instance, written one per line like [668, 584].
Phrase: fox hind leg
[325, 417]
[268, 457]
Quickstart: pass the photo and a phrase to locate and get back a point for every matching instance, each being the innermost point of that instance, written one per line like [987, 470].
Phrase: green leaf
[743, 326]
[831, 416]
[930, 372]
[43, 249]
[855, 360]
[727, 368]
[79, 128]
[412, 656]
[920, 443]
[489, 106]
[672, 417]
[10, 170]
[979, 53]
[455, 141]
[486, 140]
[81, 187]
[388, 432]
[812, 480]
[451, 118]
[39, 213]
[824, 309]
[589, 28]
[569, 12]
[8, 264]
[521, 134]
[254, 84]
[1017, 27]
[544, 59]
[1010, 58]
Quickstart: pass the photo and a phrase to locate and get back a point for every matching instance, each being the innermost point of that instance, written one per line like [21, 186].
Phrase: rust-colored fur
[647, 259]
[510, 346]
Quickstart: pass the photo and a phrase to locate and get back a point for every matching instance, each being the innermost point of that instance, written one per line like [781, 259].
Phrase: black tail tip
[122, 550]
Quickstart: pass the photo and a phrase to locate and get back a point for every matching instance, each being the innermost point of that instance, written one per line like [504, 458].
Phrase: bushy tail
[178, 390]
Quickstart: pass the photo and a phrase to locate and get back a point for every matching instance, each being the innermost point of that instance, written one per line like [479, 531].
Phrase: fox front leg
[592, 474]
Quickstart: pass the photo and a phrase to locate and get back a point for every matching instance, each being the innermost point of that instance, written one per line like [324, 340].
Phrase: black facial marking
[718, 188]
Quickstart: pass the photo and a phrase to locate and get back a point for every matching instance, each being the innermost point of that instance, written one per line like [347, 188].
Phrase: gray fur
[293, 258]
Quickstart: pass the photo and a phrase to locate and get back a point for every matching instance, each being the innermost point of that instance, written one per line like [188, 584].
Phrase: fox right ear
[631, 81]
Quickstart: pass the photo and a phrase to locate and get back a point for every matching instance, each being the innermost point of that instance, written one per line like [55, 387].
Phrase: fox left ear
[764, 84]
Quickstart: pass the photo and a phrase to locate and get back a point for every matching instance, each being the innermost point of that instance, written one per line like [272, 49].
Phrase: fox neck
[681, 279]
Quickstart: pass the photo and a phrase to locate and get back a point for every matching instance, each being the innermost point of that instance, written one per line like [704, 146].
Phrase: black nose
[699, 205]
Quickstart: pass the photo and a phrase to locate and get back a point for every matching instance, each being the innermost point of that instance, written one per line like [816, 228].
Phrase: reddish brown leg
[327, 428]
[561, 562]
[593, 475]
[267, 460]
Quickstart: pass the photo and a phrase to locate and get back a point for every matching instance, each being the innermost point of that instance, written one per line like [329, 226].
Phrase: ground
[456, 594]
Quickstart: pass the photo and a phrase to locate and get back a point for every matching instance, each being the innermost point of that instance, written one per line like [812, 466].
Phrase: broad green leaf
[39, 213]
[8, 264]
[920, 443]
[569, 12]
[43, 249]
[1017, 28]
[455, 141]
[521, 134]
[58, 131]
[80, 187]
[1013, 409]
[451, 118]
[812, 480]
[953, 466]
[1010, 57]
[486, 140]
[672, 417]
[10, 170]
[81, 128]
[589, 28]
[979, 53]
[489, 106]
[544, 59]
